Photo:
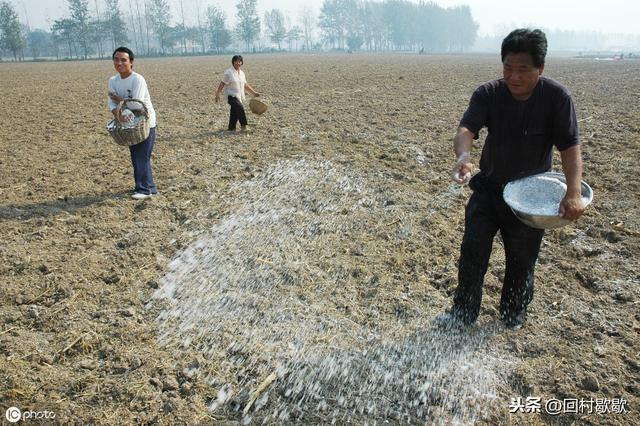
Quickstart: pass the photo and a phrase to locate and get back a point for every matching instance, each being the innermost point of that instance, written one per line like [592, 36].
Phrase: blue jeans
[141, 160]
[485, 215]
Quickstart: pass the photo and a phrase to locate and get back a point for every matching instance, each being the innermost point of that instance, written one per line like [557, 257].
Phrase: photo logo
[13, 414]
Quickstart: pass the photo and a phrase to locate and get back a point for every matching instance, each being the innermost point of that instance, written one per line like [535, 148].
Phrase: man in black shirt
[526, 115]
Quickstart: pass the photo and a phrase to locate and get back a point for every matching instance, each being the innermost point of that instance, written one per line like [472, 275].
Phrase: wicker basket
[257, 106]
[127, 135]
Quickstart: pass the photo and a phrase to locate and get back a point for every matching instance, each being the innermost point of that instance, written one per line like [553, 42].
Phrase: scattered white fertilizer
[261, 292]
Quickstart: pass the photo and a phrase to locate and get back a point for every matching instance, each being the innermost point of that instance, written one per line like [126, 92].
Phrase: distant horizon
[614, 17]
[607, 55]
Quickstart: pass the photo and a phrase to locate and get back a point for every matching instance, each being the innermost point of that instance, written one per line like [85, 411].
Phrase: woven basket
[126, 135]
[257, 106]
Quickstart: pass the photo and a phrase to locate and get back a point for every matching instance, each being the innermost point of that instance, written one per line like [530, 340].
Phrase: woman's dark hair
[237, 58]
[524, 40]
[123, 50]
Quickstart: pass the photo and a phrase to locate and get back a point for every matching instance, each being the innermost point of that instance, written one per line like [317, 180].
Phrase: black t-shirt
[521, 134]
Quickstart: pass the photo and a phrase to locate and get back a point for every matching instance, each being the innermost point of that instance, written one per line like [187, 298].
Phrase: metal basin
[535, 200]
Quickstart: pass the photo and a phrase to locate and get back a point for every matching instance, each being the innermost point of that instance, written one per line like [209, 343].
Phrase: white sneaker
[141, 196]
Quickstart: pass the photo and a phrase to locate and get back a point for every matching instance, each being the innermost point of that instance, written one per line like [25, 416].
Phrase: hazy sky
[494, 16]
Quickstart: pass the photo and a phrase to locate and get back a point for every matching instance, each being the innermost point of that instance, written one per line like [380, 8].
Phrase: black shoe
[515, 321]
[452, 318]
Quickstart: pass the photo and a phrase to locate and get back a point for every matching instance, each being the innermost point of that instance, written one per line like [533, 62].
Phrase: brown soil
[80, 259]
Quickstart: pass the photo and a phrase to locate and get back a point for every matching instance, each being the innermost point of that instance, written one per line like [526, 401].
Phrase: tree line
[396, 25]
[150, 27]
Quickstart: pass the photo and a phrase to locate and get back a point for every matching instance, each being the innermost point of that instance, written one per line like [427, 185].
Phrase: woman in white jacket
[131, 85]
[234, 84]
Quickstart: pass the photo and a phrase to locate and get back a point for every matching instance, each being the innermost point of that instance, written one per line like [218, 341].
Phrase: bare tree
[99, 30]
[160, 16]
[117, 28]
[183, 32]
[133, 27]
[308, 21]
[140, 31]
[274, 21]
[200, 32]
[147, 25]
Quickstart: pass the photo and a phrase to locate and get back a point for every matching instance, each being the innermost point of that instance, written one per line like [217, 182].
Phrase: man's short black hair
[124, 50]
[237, 58]
[524, 40]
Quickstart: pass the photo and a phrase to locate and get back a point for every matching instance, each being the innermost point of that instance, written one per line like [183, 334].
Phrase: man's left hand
[571, 207]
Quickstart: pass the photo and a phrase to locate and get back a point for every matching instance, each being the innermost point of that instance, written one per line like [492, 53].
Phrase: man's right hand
[461, 172]
[114, 97]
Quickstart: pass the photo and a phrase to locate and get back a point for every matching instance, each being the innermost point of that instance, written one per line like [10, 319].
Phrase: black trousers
[237, 113]
[486, 214]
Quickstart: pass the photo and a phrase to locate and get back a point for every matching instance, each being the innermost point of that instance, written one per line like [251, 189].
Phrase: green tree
[399, 16]
[331, 22]
[274, 21]
[248, 21]
[219, 35]
[99, 31]
[173, 38]
[374, 31]
[39, 42]
[79, 10]
[338, 20]
[463, 29]
[353, 24]
[181, 32]
[64, 31]
[435, 29]
[11, 36]
[194, 36]
[293, 35]
[354, 41]
[160, 16]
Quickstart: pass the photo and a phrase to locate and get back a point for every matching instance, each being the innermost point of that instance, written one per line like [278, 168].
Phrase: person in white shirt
[131, 85]
[234, 84]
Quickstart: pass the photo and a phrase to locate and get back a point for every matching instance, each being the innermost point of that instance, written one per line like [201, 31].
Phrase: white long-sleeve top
[132, 87]
[234, 82]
